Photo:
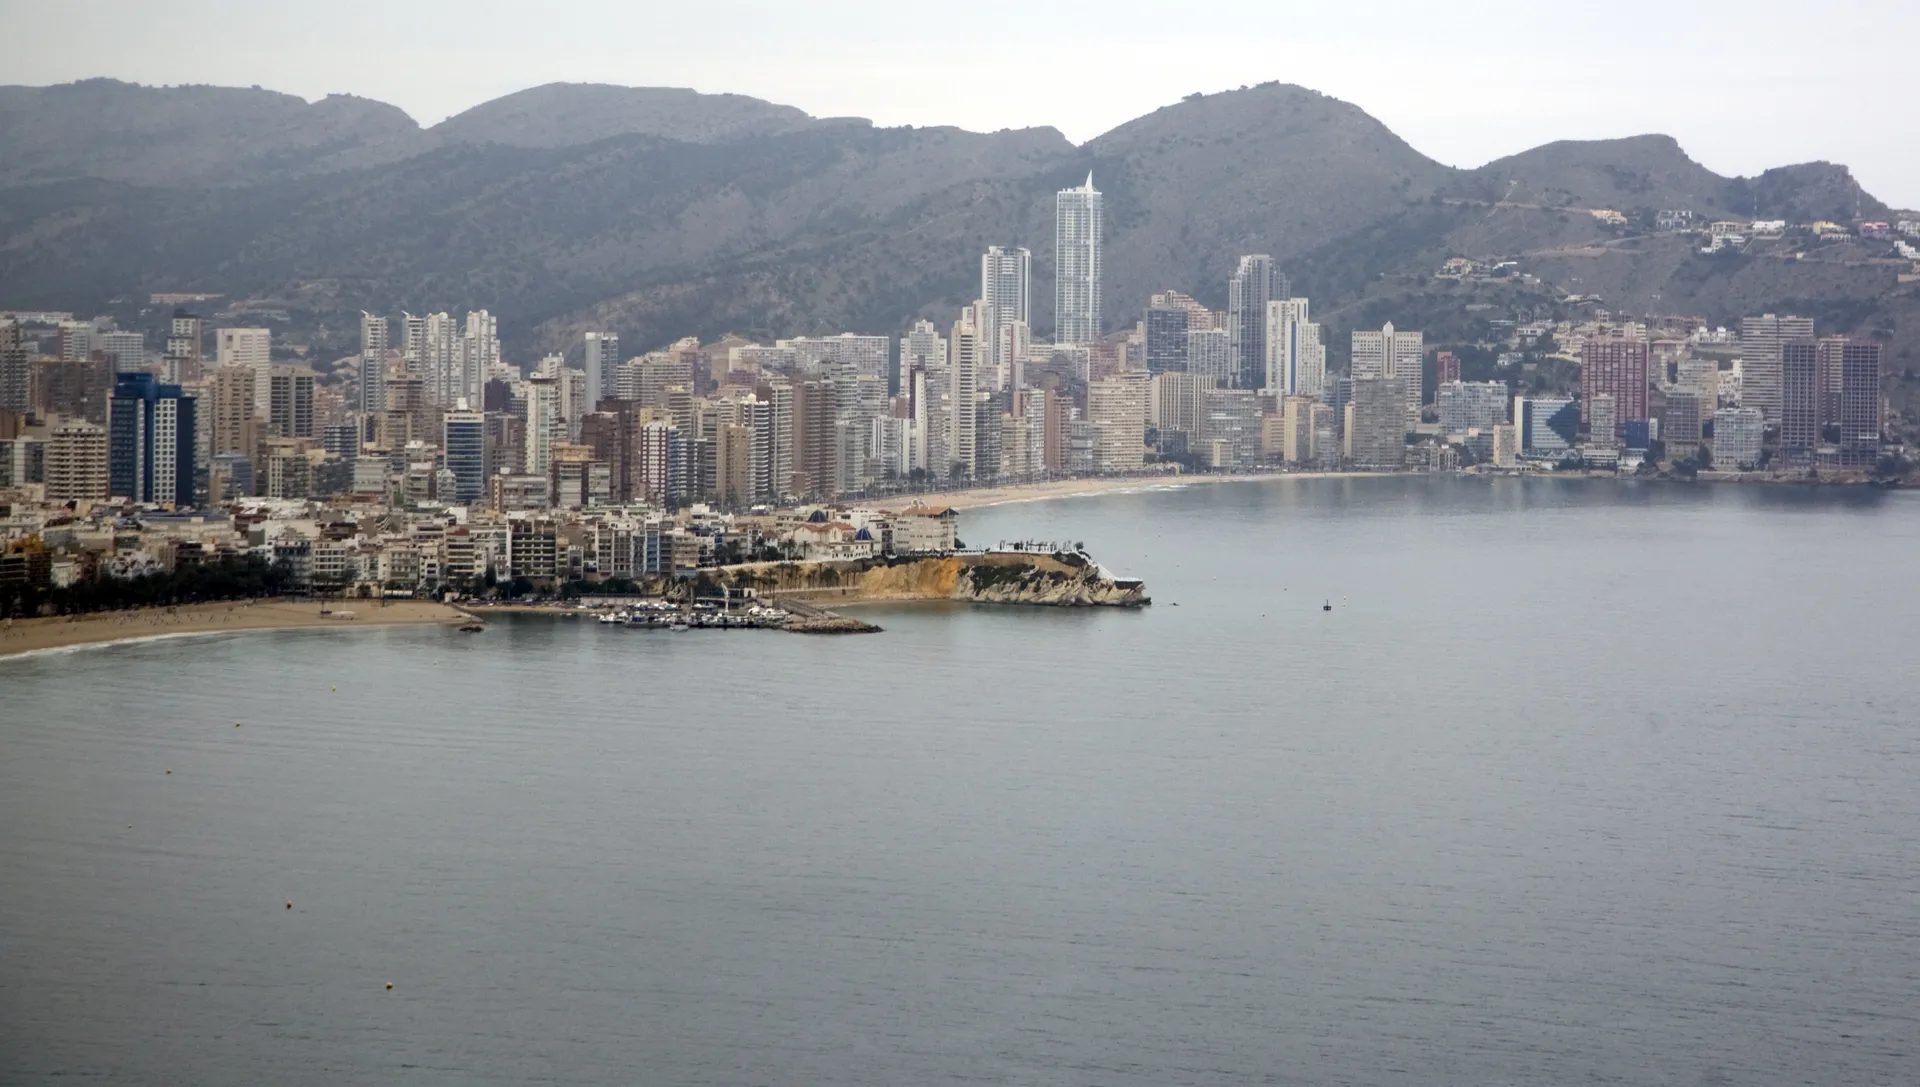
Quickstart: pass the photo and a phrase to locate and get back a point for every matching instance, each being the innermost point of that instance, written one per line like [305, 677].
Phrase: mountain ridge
[662, 212]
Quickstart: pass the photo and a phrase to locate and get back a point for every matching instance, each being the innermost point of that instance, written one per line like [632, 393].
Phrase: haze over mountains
[660, 213]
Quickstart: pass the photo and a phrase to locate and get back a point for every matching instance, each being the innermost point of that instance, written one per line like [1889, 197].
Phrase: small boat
[474, 627]
[678, 625]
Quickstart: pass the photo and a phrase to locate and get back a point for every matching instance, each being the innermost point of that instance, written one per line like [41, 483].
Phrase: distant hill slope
[660, 213]
[191, 136]
[566, 114]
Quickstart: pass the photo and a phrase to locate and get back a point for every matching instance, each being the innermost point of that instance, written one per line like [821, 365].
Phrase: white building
[479, 354]
[603, 354]
[373, 363]
[1210, 354]
[1005, 277]
[967, 352]
[251, 347]
[1079, 222]
[545, 424]
[1255, 283]
[1737, 435]
[1470, 405]
[1296, 359]
[1393, 355]
[1117, 412]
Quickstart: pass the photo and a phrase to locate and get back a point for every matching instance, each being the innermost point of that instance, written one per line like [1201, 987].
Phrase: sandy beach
[980, 497]
[30, 635]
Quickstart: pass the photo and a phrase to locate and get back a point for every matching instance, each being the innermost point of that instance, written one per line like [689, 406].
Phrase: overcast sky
[1743, 85]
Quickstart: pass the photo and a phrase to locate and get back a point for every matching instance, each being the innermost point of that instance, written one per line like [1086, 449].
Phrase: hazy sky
[1743, 85]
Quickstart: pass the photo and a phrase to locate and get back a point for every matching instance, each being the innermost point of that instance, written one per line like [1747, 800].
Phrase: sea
[1577, 782]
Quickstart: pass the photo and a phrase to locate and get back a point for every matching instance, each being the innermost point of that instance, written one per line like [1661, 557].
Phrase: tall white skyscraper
[923, 378]
[1393, 355]
[479, 353]
[966, 354]
[248, 347]
[1296, 358]
[1077, 270]
[1256, 282]
[373, 363]
[1005, 277]
[439, 357]
[603, 354]
[545, 424]
[413, 346]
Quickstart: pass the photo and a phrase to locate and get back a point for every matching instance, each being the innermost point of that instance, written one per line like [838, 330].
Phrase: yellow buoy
[169, 771]
[389, 984]
[236, 724]
[289, 905]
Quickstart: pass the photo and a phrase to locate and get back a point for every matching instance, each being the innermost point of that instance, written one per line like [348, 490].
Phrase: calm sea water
[1578, 783]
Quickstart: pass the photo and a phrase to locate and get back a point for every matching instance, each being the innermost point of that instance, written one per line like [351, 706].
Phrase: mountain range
[658, 213]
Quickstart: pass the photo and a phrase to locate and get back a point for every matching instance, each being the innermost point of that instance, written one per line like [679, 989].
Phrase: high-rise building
[1230, 428]
[1296, 359]
[16, 371]
[465, 440]
[290, 402]
[603, 354]
[966, 352]
[373, 363]
[76, 462]
[76, 340]
[150, 441]
[232, 422]
[1395, 356]
[1617, 366]
[816, 444]
[250, 347]
[125, 351]
[1603, 421]
[1210, 354]
[186, 347]
[75, 388]
[1006, 273]
[1297, 427]
[1681, 426]
[1549, 426]
[1859, 415]
[1079, 223]
[1737, 434]
[1166, 338]
[1256, 281]
[479, 354]
[1760, 359]
[1376, 430]
[1802, 406]
[1470, 405]
[1117, 412]
[1446, 368]
[1176, 403]
[544, 424]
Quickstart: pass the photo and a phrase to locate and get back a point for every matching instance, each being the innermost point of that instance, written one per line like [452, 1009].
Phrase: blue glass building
[150, 441]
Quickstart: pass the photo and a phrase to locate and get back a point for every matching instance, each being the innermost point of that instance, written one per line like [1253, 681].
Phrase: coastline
[983, 497]
[34, 636]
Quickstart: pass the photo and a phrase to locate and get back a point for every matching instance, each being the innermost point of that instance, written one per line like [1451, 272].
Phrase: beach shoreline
[983, 497]
[36, 636]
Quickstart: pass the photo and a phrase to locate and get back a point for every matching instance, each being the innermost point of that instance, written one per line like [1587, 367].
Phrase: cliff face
[1056, 581]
